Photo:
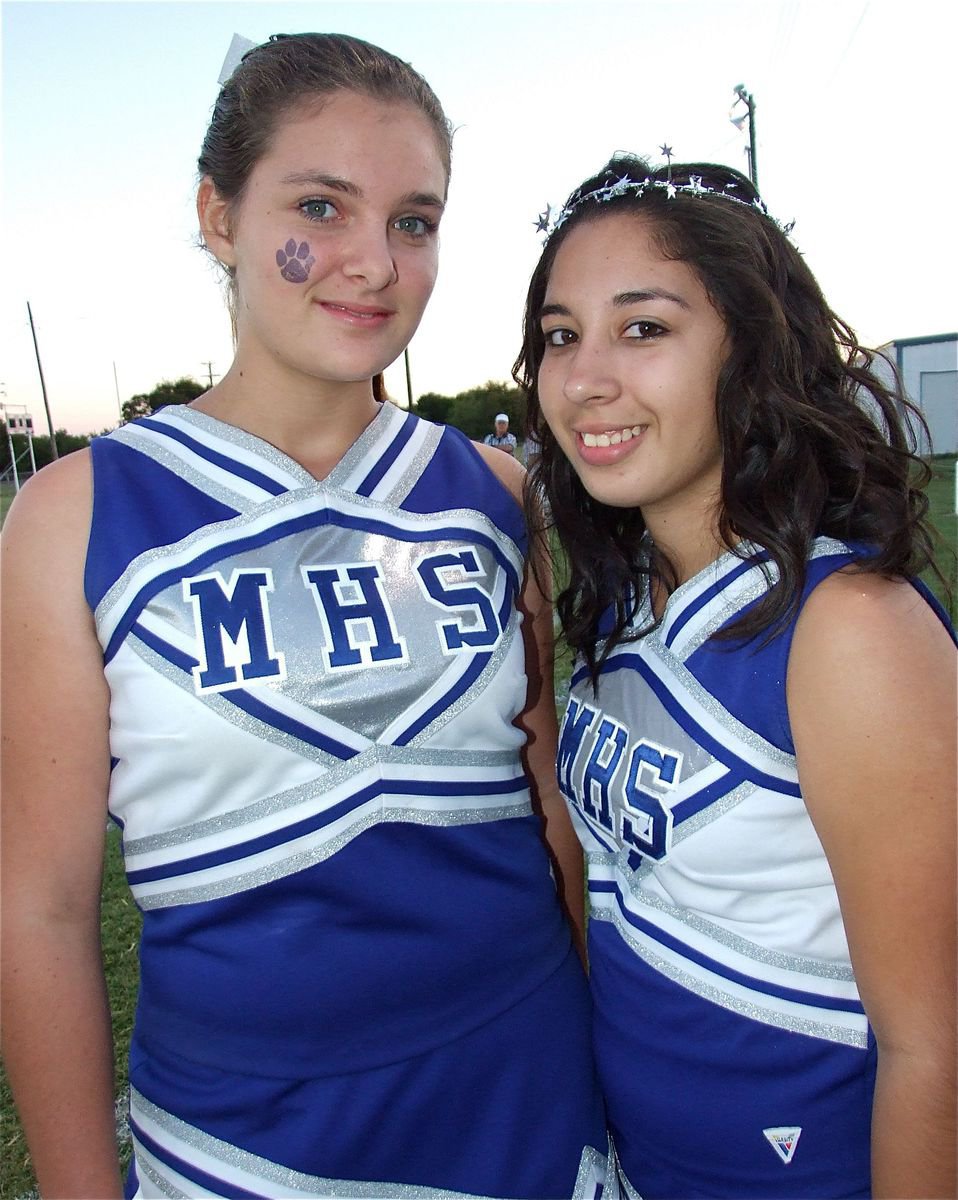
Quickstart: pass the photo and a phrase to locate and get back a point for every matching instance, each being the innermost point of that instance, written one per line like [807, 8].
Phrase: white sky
[105, 106]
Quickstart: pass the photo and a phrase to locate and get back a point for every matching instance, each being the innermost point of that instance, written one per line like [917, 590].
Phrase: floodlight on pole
[739, 120]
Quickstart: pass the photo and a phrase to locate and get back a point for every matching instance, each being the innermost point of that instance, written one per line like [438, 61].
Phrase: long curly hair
[813, 441]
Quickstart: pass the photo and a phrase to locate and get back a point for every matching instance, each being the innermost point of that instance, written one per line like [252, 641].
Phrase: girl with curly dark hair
[759, 746]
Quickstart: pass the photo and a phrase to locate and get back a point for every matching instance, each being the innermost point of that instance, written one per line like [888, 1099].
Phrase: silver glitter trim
[463, 816]
[235, 436]
[326, 849]
[413, 473]
[148, 443]
[745, 590]
[756, 587]
[286, 1179]
[337, 772]
[486, 678]
[382, 428]
[419, 756]
[232, 713]
[325, 497]
[672, 665]
[767, 1016]
[681, 830]
[631, 1193]
[175, 553]
[752, 950]
[592, 1165]
[824, 546]
[689, 591]
[437, 521]
[145, 1168]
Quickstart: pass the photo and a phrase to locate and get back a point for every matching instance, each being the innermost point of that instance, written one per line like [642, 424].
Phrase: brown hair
[291, 69]
[813, 441]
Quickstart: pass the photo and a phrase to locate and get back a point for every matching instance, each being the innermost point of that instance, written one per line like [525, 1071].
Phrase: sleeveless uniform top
[325, 817]
[732, 1043]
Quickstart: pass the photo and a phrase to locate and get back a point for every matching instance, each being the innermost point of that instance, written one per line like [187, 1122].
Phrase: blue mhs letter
[610, 743]
[233, 609]
[358, 623]
[646, 823]
[575, 725]
[484, 632]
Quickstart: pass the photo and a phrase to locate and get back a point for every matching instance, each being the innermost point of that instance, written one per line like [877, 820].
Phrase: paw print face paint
[294, 261]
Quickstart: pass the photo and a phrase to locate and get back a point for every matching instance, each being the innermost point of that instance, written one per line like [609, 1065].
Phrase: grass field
[121, 933]
[121, 921]
[6, 499]
[941, 498]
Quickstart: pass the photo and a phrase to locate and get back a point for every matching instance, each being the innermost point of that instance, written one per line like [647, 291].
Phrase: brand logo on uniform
[783, 1141]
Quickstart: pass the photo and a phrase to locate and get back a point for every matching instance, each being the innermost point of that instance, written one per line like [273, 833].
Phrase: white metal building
[928, 367]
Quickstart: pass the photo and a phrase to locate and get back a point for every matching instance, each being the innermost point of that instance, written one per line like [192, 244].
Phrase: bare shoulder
[506, 468]
[870, 655]
[49, 522]
[57, 501]
[852, 612]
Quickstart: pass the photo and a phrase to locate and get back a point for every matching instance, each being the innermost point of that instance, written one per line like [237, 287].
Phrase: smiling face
[628, 378]
[334, 241]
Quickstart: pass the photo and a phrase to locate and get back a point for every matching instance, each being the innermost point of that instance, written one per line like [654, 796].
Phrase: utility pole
[43, 387]
[749, 101]
[116, 384]
[209, 371]
[405, 355]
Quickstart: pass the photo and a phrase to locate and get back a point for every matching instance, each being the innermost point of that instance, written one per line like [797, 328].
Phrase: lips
[362, 313]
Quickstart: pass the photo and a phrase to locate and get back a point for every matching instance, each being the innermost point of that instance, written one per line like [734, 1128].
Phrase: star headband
[550, 220]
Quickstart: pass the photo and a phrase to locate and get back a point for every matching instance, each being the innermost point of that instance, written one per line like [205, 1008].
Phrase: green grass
[7, 493]
[941, 497]
[120, 922]
[121, 919]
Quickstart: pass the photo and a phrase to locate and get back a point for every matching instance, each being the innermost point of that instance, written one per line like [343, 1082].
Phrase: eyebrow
[320, 179]
[620, 300]
[623, 299]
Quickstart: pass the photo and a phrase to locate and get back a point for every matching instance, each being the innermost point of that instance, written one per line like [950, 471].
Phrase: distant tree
[434, 407]
[474, 411]
[180, 391]
[66, 444]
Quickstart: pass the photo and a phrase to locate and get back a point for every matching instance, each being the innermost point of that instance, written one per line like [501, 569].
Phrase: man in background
[502, 439]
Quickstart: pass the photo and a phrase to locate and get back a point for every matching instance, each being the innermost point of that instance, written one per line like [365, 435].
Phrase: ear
[215, 222]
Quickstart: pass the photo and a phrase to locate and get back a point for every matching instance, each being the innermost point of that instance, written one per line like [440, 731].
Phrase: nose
[590, 378]
[368, 255]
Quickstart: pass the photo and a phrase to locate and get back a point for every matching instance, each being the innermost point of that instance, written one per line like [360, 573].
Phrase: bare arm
[871, 697]
[538, 722]
[56, 1024]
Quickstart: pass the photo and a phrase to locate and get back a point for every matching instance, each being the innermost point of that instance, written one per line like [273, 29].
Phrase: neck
[689, 545]
[312, 422]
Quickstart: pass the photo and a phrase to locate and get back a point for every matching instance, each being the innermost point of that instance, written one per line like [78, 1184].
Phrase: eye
[318, 210]
[417, 227]
[644, 330]
[559, 337]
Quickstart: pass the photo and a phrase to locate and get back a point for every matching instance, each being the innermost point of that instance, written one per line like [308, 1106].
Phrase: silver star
[542, 224]
[666, 151]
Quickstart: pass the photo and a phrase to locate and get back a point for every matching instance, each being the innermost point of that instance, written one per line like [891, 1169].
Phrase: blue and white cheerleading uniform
[733, 1048]
[355, 976]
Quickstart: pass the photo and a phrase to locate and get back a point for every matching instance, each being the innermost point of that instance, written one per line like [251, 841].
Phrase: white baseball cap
[502, 417]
